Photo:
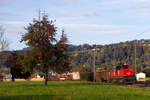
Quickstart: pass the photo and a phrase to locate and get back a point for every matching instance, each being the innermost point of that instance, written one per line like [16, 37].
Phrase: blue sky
[84, 21]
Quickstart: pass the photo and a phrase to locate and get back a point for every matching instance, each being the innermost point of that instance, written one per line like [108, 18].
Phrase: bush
[147, 72]
[1, 78]
[86, 76]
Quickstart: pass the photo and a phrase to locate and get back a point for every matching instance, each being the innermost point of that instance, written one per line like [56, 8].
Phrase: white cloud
[4, 3]
[18, 23]
[102, 27]
[14, 27]
[125, 8]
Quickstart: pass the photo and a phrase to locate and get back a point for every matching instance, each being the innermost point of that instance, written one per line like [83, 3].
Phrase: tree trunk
[13, 78]
[13, 74]
[46, 77]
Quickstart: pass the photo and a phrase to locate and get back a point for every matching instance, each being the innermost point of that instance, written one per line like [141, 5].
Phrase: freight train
[119, 74]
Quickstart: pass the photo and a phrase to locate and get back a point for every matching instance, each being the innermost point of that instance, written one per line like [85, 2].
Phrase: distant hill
[107, 56]
[27, 48]
[3, 58]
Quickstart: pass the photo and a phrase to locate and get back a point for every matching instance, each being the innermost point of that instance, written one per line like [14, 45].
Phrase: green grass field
[70, 91]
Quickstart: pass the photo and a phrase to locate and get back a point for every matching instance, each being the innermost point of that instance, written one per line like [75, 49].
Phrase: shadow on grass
[57, 84]
[69, 84]
[64, 97]
[35, 97]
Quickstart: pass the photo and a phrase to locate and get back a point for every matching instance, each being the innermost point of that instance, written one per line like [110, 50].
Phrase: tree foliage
[147, 72]
[29, 60]
[16, 69]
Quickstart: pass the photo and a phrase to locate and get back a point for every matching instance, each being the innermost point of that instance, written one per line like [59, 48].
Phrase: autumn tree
[62, 62]
[51, 52]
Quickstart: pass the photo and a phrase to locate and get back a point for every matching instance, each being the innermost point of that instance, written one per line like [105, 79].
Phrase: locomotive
[119, 74]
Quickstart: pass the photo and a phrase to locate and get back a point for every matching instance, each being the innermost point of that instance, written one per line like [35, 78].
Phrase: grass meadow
[70, 91]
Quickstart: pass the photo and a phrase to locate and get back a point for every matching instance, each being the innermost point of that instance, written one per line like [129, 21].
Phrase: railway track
[145, 84]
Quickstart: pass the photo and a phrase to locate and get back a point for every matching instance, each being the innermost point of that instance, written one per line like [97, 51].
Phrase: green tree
[29, 60]
[147, 72]
[52, 53]
[16, 69]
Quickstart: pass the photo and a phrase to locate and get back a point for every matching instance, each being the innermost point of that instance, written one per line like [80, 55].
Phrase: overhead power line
[148, 29]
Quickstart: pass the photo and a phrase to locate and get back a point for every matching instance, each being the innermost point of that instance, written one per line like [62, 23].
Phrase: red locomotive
[119, 74]
[121, 70]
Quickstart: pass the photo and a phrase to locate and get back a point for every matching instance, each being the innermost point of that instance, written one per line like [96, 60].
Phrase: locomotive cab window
[125, 67]
[118, 68]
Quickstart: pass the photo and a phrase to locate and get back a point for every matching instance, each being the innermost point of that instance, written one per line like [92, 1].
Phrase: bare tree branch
[4, 45]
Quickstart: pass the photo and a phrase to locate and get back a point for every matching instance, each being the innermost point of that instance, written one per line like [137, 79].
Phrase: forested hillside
[108, 56]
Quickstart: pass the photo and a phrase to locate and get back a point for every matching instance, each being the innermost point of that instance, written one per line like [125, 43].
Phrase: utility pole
[94, 60]
[135, 57]
[39, 15]
[135, 70]
[115, 58]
